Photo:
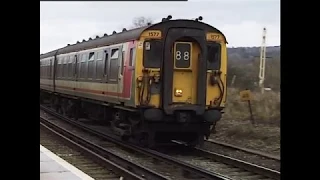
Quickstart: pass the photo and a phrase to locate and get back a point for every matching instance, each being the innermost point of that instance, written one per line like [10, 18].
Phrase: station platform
[52, 167]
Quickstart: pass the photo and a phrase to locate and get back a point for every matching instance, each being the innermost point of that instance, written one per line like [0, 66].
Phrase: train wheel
[76, 108]
[143, 142]
[201, 140]
[52, 100]
[147, 140]
[125, 138]
[198, 142]
[63, 107]
[56, 104]
[192, 145]
[213, 128]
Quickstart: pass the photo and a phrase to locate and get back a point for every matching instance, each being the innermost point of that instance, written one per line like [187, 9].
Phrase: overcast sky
[242, 21]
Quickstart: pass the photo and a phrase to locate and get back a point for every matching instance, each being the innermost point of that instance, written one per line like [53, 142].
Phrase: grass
[265, 107]
[235, 127]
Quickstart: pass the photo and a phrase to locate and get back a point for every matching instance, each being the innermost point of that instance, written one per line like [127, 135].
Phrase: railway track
[165, 166]
[74, 154]
[245, 154]
[251, 151]
[259, 171]
[85, 156]
[230, 167]
[192, 162]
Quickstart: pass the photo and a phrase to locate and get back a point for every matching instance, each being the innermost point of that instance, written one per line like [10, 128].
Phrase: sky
[241, 21]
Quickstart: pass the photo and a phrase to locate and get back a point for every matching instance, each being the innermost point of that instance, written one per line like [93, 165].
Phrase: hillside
[243, 67]
[251, 53]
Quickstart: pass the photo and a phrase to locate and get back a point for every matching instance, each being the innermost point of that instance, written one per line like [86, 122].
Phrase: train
[153, 84]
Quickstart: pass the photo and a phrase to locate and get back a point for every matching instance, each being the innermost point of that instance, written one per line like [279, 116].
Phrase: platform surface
[52, 167]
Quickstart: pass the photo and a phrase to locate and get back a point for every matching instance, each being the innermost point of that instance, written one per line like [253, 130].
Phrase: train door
[104, 66]
[55, 64]
[114, 70]
[184, 70]
[75, 71]
[129, 67]
[51, 74]
[122, 60]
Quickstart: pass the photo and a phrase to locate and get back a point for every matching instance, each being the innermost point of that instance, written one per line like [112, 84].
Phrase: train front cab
[181, 78]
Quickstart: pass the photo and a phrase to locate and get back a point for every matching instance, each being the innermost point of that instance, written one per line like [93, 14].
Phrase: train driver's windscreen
[152, 54]
[213, 56]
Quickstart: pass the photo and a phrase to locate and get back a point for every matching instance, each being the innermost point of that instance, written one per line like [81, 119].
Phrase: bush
[235, 126]
[265, 107]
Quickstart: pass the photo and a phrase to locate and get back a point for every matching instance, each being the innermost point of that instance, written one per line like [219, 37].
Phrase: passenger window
[59, 73]
[50, 67]
[99, 55]
[83, 66]
[91, 66]
[65, 66]
[131, 60]
[114, 66]
[84, 57]
[61, 66]
[70, 66]
[114, 53]
[91, 56]
[99, 66]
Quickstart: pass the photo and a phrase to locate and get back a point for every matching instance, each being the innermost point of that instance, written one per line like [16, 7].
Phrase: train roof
[124, 36]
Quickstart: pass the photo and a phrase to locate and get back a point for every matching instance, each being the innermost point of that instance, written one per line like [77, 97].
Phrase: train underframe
[183, 126]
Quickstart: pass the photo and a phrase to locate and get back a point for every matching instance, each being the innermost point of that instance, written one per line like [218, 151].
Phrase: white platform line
[65, 164]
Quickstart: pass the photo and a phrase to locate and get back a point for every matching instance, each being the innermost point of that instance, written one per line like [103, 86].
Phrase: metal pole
[262, 60]
[233, 80]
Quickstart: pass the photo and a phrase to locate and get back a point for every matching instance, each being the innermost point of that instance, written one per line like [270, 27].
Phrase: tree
[141, 21]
